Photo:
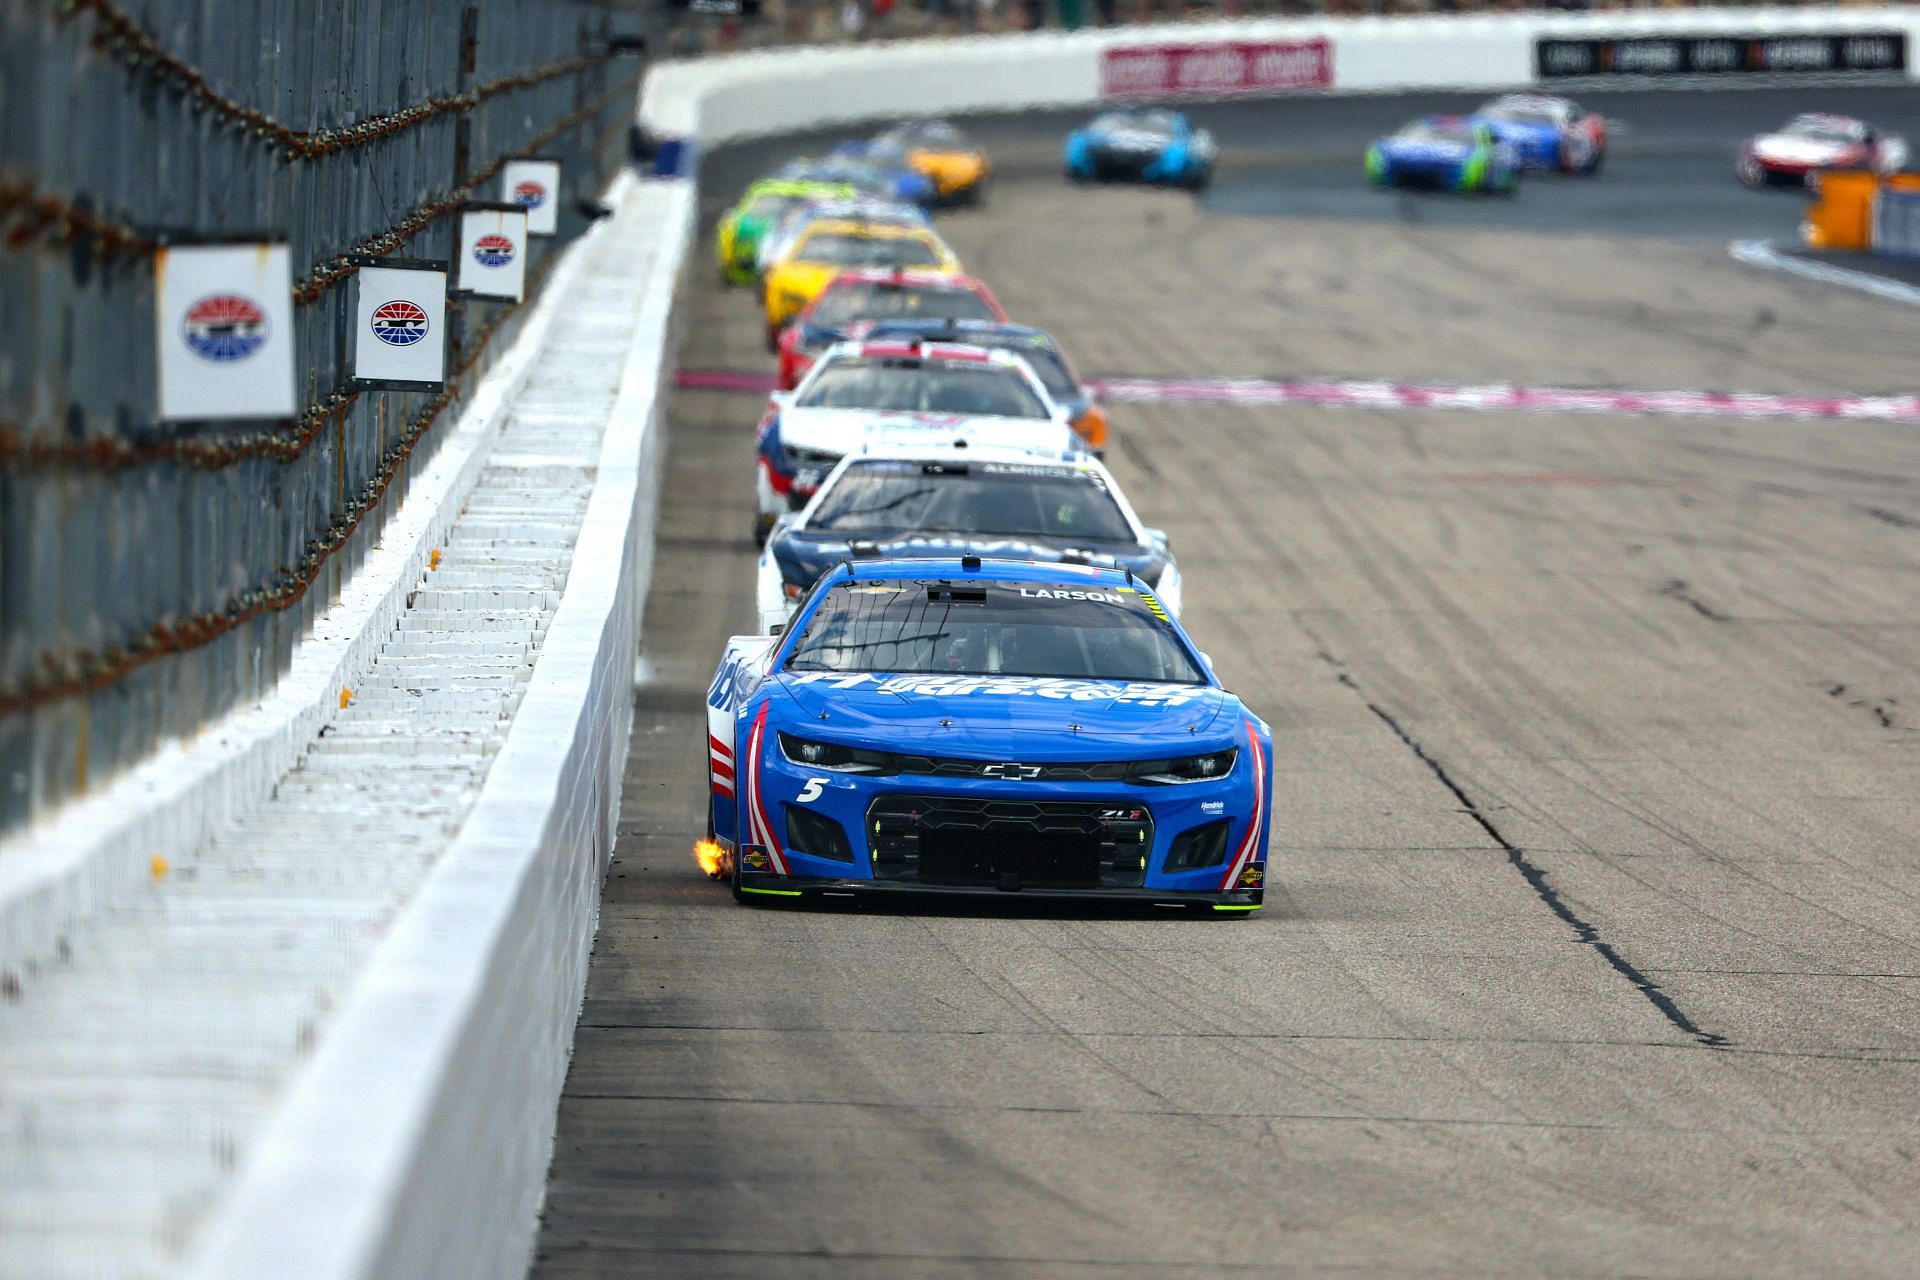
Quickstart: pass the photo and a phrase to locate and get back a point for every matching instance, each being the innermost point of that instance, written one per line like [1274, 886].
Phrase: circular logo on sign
[493, 251]
[530, 193]
[399, 323]
[225, 327]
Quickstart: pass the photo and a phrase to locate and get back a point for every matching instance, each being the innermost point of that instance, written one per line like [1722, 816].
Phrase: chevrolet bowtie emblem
[1010, 771]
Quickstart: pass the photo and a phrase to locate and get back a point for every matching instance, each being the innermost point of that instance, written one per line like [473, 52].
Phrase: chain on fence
[151, 575]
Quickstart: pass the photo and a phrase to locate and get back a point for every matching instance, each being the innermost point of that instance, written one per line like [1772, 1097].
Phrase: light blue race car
[1147, 144]
[1445, 153]
[985, 726]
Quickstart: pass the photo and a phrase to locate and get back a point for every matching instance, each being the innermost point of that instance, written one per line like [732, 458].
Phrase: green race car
[737, 242]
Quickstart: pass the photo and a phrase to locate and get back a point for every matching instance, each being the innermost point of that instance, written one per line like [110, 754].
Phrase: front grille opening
[809, 832]
[1009, 844]
[1198, 847]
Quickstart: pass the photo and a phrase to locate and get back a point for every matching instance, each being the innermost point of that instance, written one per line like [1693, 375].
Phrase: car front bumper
[804, 888]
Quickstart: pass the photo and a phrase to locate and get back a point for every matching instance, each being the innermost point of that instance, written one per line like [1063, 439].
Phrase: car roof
[947, 352]
[901, 326]
[882, 445]
[989, 570]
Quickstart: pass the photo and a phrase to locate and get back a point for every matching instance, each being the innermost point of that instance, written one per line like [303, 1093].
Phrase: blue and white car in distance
[907, 499]
[986, 726]
[1547, 132]
[943, 392]
[1444, 153]
[1141, 144]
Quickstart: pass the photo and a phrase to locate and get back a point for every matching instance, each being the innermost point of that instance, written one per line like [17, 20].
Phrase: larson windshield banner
[1215, 70]
[1849, 54]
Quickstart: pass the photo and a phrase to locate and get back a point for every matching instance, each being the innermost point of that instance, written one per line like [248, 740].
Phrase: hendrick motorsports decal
[1144, 695]
[1862, 53]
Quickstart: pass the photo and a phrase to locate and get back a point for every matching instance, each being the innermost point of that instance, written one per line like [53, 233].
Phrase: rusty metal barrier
[153, 576]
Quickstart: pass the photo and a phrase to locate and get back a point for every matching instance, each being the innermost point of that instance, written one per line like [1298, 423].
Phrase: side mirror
[1156, 536]
[780, 629]
[780, 399]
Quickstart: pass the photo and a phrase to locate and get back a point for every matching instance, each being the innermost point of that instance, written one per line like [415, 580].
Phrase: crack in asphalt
[1678, 589]
[1536, 877]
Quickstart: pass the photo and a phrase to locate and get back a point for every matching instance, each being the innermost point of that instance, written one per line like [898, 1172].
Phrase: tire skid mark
[1536, 878]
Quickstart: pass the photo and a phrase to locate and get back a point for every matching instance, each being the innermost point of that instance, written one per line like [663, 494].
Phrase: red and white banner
[1216, 70]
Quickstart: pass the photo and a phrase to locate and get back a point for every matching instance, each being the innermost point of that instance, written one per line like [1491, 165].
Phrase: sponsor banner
[1216, 70]
[400, 325]
[534, 185]
[493, 252]
[224, 318]
[1821, 54]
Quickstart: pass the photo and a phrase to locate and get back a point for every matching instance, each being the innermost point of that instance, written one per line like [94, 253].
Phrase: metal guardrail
[154, 576]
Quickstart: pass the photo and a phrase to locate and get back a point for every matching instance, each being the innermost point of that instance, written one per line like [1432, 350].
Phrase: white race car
[905, 499]
[945, 391]
[1799, 150]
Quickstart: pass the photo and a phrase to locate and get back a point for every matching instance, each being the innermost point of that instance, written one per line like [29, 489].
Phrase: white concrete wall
[716, 100]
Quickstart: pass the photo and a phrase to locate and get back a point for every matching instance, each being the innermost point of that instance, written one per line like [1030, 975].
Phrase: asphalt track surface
[1593, 938]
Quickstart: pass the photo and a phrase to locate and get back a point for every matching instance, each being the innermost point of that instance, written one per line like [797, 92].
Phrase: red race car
[1807, 144]
[854, 299]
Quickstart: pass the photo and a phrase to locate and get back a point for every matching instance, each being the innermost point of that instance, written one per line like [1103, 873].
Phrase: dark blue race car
[1444, 153]
[986, 727]
[1148, 144]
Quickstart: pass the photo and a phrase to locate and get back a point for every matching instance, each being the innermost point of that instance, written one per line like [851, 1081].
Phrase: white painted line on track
[1759, 253]
[1506, 398]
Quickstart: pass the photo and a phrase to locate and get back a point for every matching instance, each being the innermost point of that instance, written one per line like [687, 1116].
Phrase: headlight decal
[757, 823]
[1250, 842]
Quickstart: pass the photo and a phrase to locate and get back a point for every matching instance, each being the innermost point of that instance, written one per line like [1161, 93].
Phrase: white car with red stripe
[1813, 142]
[986, 726]
[940, 392]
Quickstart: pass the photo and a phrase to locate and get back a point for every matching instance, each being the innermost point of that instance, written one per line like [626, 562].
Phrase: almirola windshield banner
[224, 331]
[493, 252]
[400, 325]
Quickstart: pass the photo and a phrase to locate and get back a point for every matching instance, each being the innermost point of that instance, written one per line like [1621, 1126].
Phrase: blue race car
[985, 726]
[1445, 153]
[850, 162]
[1146, 144]
[1547, 132]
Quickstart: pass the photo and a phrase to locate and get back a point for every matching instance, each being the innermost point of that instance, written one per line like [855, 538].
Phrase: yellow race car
[958, 169]
[829, 247]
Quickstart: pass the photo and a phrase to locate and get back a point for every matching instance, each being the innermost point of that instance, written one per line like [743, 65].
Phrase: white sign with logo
[534, 185]
[400, 325]
[224, 331]
[493, 251]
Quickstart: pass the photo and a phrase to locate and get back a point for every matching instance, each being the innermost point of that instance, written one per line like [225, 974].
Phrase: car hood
[1024, 719]
[804, 556]
[1426, 152]
[842, 430]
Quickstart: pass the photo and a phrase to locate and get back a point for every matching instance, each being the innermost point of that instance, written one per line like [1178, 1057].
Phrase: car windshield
[1156, 122]
[841, 250]
[1523, 112]
[876, 301]
[914, 386]
[771, 208]
[1438, 131]
[1063, 630]
[1007, 499]
[1820, 130]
